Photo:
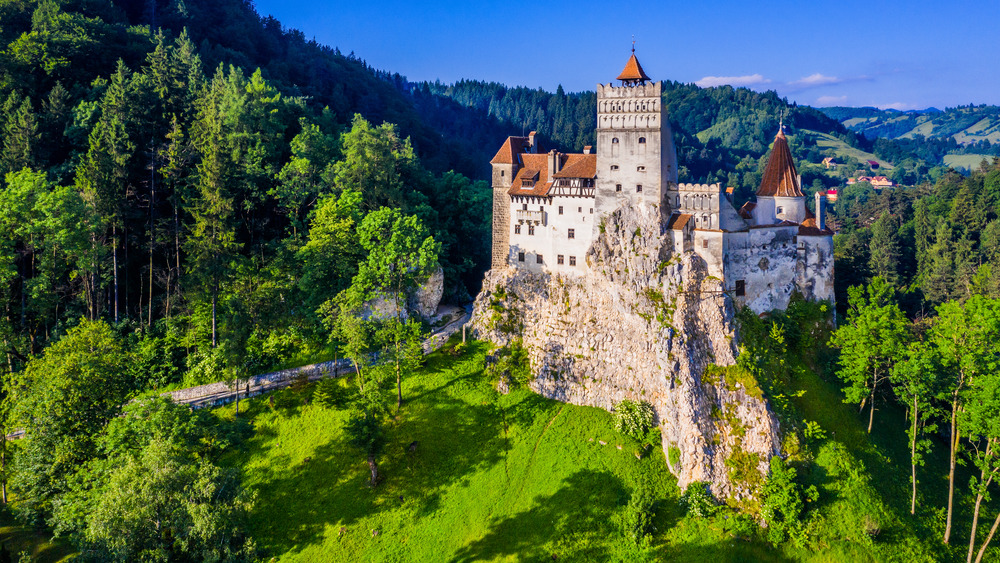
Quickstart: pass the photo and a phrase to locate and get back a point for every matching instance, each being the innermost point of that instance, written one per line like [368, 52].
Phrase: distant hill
[966, 125]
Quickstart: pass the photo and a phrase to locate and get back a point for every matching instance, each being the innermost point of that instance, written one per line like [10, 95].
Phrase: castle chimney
[554, 161]
[532, 147]
[587, 149]
[821, 210]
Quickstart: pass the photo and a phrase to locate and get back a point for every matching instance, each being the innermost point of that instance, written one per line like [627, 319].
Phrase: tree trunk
[984, 484]
[951, 471]
[357, 371]
[215, 298]
[373, 466]
[913, 458]
[3, 464]
[871, 411]
[114, 264]
[993, 530]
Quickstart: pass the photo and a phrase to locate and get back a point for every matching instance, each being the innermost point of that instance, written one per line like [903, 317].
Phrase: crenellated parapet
[699, 187]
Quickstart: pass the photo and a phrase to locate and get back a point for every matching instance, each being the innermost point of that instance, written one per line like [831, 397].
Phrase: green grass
[17, 538]
[966, 161]
[843, 150]
[523, 478]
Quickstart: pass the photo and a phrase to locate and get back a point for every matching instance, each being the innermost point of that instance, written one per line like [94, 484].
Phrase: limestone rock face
[422, 301]
[642, 325]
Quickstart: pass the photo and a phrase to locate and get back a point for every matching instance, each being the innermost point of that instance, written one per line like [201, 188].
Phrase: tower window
[579, 210]
[538, 259]
[572, 260]
[741, 289]
[524, 206]
[642, 140]
[614, 141]
[779, 209]
[517, 229]
[560, 209]
[531, 229]
[614, 167]
[618, 187]
[559, 259]
[501, 173]
[591, 210]
[572, 233]
[520, 257]
[704, 243]
[640, 168]
[638, 189]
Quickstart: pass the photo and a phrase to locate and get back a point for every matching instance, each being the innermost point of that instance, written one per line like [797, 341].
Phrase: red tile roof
[535, 172]
[780, 177]
[577, 166]
[633, 70]
[510, 149]
[747, 210]
[678, 221]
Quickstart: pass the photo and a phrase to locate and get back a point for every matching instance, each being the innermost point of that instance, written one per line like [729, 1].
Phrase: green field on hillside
[520, 477]
[966, 161]
[843, 150]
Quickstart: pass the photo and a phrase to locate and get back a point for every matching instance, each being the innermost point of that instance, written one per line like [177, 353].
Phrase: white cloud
[813, 80]
[831, 101]
[737, 81]
[901, 106]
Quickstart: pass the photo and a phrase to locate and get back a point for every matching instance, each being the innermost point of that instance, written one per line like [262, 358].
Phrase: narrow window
[572, 233]
[501, 173]
[520, 257]
[572, 260]
[591, 210]
[517, 229]
[559, 259]
[538, 259]
[638, 189]
[740, 288]
[618, 187]
[524, 207]
[704, 243]
[642, 140]
[579, 210]
[531, 229]
[560, 209]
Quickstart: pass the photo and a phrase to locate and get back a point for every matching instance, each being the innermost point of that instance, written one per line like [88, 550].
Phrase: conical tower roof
[633, 71]
[780, 177]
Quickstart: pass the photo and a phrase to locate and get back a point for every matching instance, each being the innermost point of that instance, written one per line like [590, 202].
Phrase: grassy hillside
[965, 124]
[520, 477]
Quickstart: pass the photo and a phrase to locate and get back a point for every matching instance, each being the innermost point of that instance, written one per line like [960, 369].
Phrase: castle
[549, 206]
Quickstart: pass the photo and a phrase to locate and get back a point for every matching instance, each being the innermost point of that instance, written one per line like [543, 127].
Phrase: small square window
[524, 207]
[614, 167]
[520, 257]
[618, 187]
[531, 229]
[572, 233]
[638, 189]
[559, 259]
[538, 259]
[741, 289]
[517, 229]
[560, 209]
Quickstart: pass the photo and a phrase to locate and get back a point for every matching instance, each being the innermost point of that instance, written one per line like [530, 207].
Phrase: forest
[191, 193]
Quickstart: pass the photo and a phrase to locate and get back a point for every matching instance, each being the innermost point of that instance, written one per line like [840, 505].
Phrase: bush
[697, 501]
[639, 513]
[634, 418]
[784, 504]
[674, 457]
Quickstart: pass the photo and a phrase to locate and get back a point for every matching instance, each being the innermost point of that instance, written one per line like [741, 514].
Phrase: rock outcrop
[644, 324]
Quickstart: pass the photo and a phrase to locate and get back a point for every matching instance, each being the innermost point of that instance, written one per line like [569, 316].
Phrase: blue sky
[904, 55]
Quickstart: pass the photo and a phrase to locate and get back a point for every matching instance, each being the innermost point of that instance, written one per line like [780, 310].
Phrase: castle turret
[636, 159]
[506, 164]
[780, 197]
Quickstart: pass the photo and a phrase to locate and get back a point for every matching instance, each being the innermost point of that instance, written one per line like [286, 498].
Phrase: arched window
[614, 141]
[642, 140]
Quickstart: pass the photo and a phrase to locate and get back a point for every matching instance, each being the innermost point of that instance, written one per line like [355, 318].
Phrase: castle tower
[780, 196]
[506, 164]
[636, 159]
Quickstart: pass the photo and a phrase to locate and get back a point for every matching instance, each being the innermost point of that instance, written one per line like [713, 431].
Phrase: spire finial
[633, 43]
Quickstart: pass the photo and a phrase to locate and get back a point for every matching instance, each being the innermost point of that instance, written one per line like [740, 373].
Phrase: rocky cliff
[643, 325]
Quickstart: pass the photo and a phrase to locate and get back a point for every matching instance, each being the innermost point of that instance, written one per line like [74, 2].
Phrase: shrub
[674, 456]
[634, 418]
[784, 504]
[697, 501]
[639, 513]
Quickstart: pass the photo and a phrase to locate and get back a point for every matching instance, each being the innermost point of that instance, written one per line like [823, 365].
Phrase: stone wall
[643, 326]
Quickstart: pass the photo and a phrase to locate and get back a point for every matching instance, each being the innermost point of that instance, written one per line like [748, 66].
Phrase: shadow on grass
[572, 523]
[454, 436]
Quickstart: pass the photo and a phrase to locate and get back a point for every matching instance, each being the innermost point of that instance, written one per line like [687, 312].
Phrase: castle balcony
[524, 216]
